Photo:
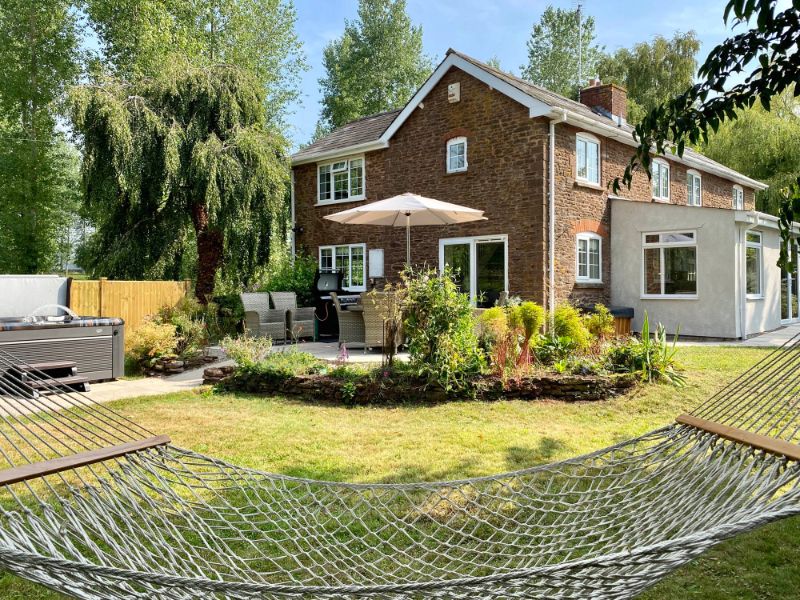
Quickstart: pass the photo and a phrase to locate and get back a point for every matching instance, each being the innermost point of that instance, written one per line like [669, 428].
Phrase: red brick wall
[506, 177]
[506, 153]
[576, 203]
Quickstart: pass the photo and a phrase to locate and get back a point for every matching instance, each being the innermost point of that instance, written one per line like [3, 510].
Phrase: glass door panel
[490, 266]
[457, 257]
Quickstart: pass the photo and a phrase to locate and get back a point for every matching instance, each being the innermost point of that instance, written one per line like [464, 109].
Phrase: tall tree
[39, 57]
[141, 37]
[559, 42]
[187, 154]
[652, 72]
[375, 66]
[774, 159]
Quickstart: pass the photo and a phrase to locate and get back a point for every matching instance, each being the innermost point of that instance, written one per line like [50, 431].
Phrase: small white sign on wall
[376, 263]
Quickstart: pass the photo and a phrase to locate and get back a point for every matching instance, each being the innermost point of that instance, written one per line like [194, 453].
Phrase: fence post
[100, 287]
[187, 286]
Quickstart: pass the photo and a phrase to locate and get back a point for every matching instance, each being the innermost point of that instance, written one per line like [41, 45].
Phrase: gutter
[357, 149]
[558, 116]
[293, 222]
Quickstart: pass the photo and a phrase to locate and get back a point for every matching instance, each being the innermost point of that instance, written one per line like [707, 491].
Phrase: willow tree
[186, 154]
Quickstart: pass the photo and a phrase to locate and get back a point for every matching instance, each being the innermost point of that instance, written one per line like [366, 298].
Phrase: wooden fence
[132, 301]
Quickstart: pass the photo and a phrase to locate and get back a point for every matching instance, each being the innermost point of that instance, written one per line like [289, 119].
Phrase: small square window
[457, 155]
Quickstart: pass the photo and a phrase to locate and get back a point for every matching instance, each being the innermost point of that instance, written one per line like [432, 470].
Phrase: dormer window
[587, 152]
[341, 181]
[457, 155]
[660, 180]
[738, 198]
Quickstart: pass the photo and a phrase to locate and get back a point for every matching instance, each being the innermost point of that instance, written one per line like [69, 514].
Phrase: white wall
[21, 294]
[764, 314]
[713, 312]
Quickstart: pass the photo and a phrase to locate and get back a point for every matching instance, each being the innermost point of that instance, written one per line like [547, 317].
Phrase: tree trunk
[209, 253]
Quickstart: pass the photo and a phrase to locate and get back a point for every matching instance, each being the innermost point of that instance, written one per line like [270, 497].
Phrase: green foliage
[528, 317]
[550, 350]
[568, 323]
[768, 37]
[493, 323]
[229, 316]
[600, 322]
[375, 66]
[553, 51]
[39, 187]
[774, 159]
[279, 366]
[186, 156]
[151, 340]
[141, 38]
[443, 345]
[245, 350]
[652, 72]
[282, 275]
[650, 358]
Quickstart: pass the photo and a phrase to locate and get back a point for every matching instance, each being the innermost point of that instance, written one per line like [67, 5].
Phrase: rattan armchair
[300, 321]
[262, 320]
[376, 311]
[351, 324]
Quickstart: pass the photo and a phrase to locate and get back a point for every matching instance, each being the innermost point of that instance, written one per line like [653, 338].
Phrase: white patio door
[480, 266]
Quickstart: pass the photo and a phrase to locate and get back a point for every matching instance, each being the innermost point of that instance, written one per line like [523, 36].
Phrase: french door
[479, 264]
[790, 288]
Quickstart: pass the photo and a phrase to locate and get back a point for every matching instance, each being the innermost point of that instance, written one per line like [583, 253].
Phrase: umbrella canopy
[407, 210]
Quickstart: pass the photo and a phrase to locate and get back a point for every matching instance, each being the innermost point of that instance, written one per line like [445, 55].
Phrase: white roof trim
[536, 108]
[356, 149]
[612, 131]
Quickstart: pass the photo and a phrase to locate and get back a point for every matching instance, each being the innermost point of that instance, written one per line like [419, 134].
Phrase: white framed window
[694, 188]
[479, 265]
[587, 158]
[669, 264]
[350, 260]
[754, 270]
[660, 172]
[738, 197]
[457, 155]
[341, 181]
[589, 258]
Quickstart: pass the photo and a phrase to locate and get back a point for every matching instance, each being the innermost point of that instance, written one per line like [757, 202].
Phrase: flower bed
[383, 387]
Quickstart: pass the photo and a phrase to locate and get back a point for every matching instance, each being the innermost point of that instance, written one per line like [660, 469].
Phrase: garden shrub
[550, 350]
[229, 316]
[652, 359]
[600, 323]
[245, 350]
[151, 340]
[493, 324]
[567, 323]
[443, 345]
[286, 276]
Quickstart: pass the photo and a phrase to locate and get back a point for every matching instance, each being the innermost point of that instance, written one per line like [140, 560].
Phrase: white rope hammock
[95, 506]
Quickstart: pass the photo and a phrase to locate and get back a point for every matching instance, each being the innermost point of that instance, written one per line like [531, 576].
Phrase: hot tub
[95, 344]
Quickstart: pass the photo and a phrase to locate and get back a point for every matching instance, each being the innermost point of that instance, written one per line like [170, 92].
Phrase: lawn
[466, 439]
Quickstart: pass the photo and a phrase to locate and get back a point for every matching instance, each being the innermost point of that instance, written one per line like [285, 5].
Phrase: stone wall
[331, 390]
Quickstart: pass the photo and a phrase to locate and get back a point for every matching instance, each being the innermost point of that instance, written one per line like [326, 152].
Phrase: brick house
[687, 246]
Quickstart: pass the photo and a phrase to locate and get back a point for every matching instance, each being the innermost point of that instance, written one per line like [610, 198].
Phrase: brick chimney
[610, 97]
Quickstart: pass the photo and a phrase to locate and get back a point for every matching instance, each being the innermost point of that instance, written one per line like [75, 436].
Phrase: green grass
[466, 439]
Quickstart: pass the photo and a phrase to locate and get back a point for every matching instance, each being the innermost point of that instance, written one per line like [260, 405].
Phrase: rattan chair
[351, 324]
[300, 321]
[262, 320]
[376, 310]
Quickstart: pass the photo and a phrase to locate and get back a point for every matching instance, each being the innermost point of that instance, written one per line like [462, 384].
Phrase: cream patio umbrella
[408, 210]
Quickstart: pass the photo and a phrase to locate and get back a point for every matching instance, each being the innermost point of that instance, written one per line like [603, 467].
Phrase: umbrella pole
[408, 239]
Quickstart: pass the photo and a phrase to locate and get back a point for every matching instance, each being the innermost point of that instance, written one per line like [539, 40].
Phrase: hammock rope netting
[165, 522]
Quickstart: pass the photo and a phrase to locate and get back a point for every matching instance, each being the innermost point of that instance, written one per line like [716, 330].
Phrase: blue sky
[486, 28]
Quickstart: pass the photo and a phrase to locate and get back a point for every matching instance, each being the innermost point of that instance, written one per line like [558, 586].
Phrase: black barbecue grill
[326, 282]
